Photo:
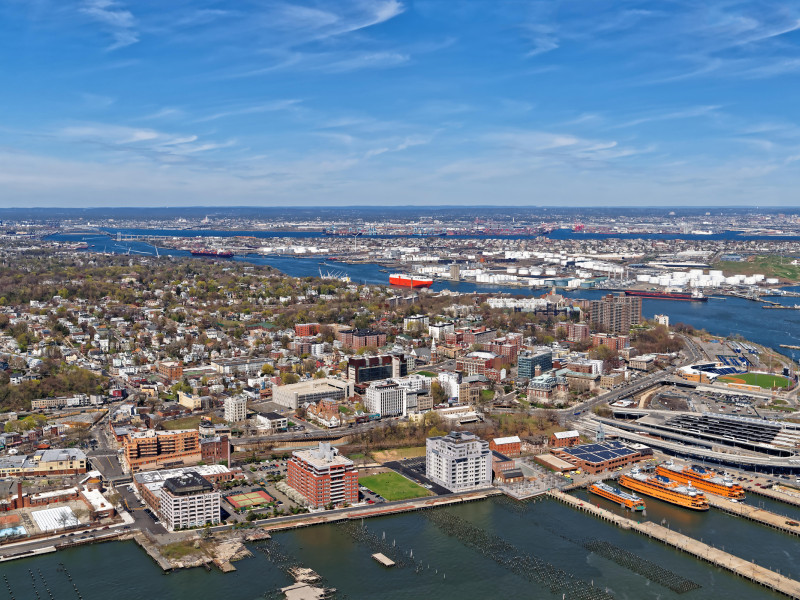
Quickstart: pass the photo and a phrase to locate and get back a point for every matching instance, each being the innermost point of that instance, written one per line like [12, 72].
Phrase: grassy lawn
[393, 486]
[764, 380]
[399, 454]
[426, 373]
[189, 422]
[768, 265]
[357, 456]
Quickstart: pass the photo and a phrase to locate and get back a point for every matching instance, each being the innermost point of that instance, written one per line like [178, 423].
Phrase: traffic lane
[141, 514]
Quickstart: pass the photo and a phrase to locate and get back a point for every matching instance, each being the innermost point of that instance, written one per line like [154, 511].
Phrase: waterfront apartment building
[314, 390]
[388, 398]
[323, 477]
[528, 362]
[616, 313]
[150, 449]
[235, 409]
[458, 461]
[188, 500]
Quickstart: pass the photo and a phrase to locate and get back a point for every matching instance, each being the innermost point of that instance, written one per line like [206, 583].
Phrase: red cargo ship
[212, 253]
[411, 281]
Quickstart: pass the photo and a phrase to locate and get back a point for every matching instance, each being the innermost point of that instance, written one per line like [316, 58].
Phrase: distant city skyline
[114, 103]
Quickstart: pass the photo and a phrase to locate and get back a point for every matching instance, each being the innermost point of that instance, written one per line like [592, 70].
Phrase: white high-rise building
[235, 409]
[188, 500]
[662, 320]
[387, 398]
[458, 461]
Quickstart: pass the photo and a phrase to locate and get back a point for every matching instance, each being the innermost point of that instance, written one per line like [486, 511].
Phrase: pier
[734, 564]
[751, 513]
[772, 493]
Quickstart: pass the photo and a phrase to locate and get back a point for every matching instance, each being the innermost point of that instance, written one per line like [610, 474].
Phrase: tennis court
[250, 499]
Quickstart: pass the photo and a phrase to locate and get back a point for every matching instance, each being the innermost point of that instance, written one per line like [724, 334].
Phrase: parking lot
[414, 469]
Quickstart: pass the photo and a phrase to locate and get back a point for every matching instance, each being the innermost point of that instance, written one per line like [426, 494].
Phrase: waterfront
[721, 316]
[545, 529]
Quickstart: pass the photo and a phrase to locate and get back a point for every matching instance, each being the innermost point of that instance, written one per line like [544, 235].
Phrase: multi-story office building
[323, 477]
[44, 463]
[235, 409]
[458, 461]
[150, 449]
[529, 360]
[295, 394]
[188, 500]
[616, 313]
[387, 398]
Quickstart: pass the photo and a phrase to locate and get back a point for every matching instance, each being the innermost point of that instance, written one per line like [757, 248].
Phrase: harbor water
[451, 566]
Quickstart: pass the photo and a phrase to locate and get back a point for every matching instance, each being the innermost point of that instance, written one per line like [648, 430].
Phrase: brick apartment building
[306, 329]
[616, 313]
[323, 477]
[615, 342]
[361, 338]
[170, 369]
[149, 449]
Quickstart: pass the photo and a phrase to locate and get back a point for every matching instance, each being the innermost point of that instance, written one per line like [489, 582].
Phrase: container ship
[411, 281]
[212, 253]
[665, 489]
[702, 479]
[629, 501]
[693, 297]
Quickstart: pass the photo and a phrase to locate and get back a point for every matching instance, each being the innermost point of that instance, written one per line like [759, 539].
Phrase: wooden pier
[773, 493]
[751, 513]
[734, 564]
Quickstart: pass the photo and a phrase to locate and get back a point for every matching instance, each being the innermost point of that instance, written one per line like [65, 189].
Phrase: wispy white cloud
[119, 21]
[687, 113]
[273, 106]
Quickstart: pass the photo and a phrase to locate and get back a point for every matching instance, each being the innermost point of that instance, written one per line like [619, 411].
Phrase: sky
[399, 102]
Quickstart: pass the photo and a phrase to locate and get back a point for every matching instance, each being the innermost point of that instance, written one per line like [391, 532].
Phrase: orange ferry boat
[665, 489]
[702, 479]
[630, 501]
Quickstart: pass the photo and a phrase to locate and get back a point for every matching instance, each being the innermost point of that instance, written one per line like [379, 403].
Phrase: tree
[268, 370]
[438, 393]
[289, 378]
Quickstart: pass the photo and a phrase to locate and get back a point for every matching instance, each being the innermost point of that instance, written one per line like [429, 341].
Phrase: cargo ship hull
[410, 281]
[705, 484]
[627, 500]
[212, 253]
[667, 296]
[665, 491]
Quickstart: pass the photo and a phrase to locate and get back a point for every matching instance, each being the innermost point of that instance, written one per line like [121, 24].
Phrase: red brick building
[361, 338]
[510, 446]
[170, 369]
[615, 342]
[578, 332]
[306, 329]
[216, 450]
[564, 439]
[323, 477]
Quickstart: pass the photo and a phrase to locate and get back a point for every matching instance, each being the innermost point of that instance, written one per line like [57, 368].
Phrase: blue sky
[582, 102]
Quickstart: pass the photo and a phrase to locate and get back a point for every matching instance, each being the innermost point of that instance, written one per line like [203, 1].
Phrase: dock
[383, 559]
[775, 493]
[746, 569]
[751, 513]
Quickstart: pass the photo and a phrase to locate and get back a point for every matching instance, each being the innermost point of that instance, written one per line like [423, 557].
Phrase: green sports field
[764, 380]
[393, 486]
